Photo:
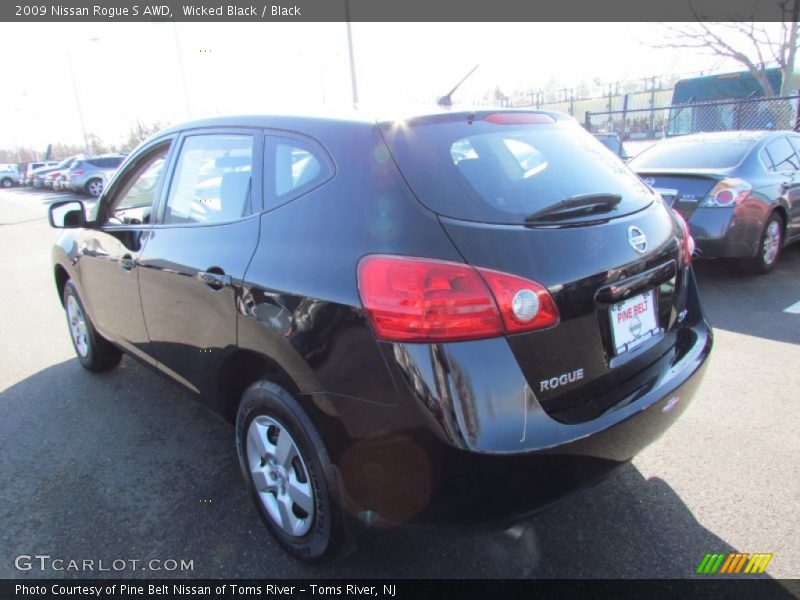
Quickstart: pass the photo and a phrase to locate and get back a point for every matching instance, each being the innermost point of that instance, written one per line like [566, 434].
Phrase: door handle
[216, 281]
[127, 262]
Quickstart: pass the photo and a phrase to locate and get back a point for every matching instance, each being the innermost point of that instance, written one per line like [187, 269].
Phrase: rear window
[495, 172]
[693, 154]
[106, 162]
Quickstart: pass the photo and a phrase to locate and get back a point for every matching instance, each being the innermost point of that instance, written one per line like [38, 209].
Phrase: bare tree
[755, 45]
[139, 132]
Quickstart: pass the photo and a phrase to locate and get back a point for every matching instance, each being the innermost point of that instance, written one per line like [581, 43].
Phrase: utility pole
[350, 50]
[182, 70]
[78, 102]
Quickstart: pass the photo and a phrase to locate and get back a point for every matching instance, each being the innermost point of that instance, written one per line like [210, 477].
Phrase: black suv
[454, 317]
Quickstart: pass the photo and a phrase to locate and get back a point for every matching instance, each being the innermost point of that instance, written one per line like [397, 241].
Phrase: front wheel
[94, 187]
[769, 247]
[289, 473]
[6, 182]
[95, 353]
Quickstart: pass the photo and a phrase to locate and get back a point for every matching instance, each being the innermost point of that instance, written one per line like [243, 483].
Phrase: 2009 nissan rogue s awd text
[452, 318]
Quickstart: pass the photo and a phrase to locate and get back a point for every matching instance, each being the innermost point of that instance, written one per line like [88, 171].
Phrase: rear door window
[212, 179]
[783, 156]
[795, 141]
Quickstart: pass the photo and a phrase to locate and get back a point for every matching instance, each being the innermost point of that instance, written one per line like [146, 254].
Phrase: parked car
[59, 181]
[39, 175]
[738, 191]
[9, 176]
[88, 175]
[613, 142]
[32, 167]
[460, 317]
[48, 181]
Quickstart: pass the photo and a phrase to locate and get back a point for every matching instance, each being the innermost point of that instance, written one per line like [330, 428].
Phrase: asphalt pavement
[125, 465]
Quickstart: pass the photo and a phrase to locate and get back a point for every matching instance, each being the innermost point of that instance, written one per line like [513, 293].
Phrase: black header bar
[392, 10]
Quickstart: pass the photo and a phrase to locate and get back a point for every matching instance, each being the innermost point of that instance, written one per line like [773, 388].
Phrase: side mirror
[67, 215]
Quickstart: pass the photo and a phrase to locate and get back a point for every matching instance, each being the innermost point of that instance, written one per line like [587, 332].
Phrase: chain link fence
[651, 124]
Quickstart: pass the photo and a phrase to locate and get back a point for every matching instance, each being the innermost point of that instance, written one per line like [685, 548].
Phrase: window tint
[293, 167]
[134, 202]
[782, 154]
[693, 154]
[211, 183]
[502, 173]
[106, 162]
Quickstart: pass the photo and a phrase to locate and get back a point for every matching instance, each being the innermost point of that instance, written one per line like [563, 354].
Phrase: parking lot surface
[125, 465]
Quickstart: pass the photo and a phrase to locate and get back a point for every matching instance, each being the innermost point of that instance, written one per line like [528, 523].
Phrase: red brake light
[519, 118]
[78, 172]
[425, 300]
[725, 198]
[688, 240]
[726, 193]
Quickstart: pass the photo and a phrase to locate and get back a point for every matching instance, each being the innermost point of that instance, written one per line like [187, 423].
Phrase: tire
[6, 182]
[310, 530]
[769, 247]
[95, 353]
[94, 187]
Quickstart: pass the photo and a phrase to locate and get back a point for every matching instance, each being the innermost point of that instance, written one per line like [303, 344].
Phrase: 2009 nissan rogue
[455, 317]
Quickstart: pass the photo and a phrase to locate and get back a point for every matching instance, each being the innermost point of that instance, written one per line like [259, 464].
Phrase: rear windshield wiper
[576, 206]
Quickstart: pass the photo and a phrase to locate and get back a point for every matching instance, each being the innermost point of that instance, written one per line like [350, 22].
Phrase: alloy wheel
[77, 326]
[280, 476]
[95, 187]
[772, 242]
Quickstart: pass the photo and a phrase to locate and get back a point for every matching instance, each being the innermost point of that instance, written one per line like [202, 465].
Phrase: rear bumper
[722, 233]
[487, 452]
[504, 489]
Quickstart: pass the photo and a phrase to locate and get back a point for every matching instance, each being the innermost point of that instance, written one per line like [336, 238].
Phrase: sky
[124, 72]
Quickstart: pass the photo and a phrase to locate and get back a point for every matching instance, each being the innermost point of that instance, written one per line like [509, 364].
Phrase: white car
[9, 176]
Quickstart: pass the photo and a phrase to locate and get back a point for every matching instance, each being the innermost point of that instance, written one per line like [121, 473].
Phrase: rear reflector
[517, 297]
[426, 300]
[519, 118]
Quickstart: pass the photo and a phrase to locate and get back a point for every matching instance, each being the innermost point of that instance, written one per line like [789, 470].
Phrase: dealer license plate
[633, 321]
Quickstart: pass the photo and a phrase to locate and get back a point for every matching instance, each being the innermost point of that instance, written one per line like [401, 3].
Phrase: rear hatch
[534, 195]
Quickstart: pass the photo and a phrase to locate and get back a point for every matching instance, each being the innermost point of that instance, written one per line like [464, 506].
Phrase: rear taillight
[688, 240]
[728, 192]
[425, 300]
[78, 172]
